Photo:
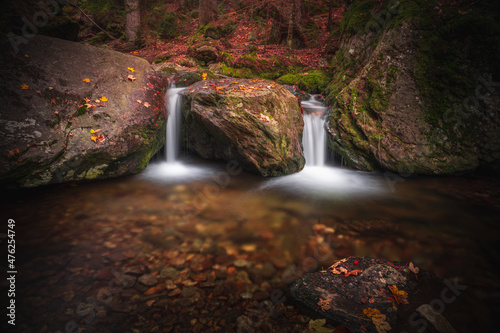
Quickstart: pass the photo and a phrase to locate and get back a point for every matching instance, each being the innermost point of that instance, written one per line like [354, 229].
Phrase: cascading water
[173, 106]
[173, 170]
[317, 179]
[314, 135]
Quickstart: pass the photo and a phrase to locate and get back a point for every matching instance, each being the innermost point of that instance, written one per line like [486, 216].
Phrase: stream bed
[215, 251]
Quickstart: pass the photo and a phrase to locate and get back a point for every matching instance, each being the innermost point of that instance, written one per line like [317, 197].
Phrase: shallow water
[231, 238]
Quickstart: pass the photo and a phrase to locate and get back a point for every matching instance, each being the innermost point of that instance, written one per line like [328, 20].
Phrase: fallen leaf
[413, 268]
[316, 326]
[13, 152]
[53, 101]
[92, 131]
[324, 304]
[139, 101]
[146, 104]
[24, 86]
[93, 138]
[27, 56]
[354, 272]
[131, 78]
[381, 324]
[150, 85]
[372, 313]
[131, 69]
[86, 80]
[104, 99]
[204, 76]
[50, 88]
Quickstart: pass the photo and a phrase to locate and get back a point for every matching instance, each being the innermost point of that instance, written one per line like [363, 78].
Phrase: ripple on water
[176, 172]
[328, 182]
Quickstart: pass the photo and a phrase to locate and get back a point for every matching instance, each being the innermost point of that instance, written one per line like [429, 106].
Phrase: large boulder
[75, 112]
[408, 99]
[376, 295]
[256, 122]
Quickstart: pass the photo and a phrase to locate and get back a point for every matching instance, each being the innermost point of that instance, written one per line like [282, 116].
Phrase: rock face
[56, 127]
[402, 103]
[256, 122]
[359, 292]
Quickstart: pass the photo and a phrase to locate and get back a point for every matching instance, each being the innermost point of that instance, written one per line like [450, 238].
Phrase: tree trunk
[132, 20]
[207, 11]
[330, 15]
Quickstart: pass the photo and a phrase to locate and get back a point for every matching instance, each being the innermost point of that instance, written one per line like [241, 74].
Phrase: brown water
[92, 257]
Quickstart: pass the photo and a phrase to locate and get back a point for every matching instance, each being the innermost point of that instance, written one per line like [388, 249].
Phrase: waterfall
[173, 105]
[314, 135]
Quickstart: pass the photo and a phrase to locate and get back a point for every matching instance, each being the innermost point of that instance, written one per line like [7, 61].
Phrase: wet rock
[169, 273]
[46, 126]
[148, 280]
[436, 319]
[233, 120]
[352, 285]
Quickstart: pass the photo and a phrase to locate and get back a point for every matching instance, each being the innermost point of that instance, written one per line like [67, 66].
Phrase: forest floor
[247, 32]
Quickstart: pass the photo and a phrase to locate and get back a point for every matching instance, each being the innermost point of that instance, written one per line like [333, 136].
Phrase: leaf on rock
[104, 99]
[353, 272]
[131, 78]
[317, 327]
[146, 104]
[86, 80]
[93, 138]
[24, 87]
[139, 101]
[381, 324]
[131, 69]
[53, 101]
[324, 304]
[204, 75]
[413, 268]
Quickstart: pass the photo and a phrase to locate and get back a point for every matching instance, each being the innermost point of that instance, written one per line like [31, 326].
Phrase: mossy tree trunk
[207, 11]
[132, 20]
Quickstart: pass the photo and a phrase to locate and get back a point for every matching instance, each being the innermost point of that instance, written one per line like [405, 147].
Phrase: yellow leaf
[372, 313]
[27, 56]
[92, 131]
[104, 99]
[93, 138]
[86, 80]
[204, 76]
[24, 86]
[131, 69]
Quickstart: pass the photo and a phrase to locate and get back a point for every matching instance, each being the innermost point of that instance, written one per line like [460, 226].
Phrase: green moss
[162, 58]
[447, 49]
[311, 81]
[357, 17]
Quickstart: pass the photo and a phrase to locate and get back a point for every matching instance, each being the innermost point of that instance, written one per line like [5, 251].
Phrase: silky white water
[318, 179]
[314, 135]
[172, 170]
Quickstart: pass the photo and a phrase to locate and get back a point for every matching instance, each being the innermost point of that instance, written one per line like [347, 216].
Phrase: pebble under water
[216, 252]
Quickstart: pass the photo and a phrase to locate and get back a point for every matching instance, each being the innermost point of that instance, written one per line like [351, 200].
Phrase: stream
[197, 246]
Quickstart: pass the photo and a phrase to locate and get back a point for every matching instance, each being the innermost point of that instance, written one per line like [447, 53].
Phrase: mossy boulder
[57, 127]
[256, 122]
[397, 106]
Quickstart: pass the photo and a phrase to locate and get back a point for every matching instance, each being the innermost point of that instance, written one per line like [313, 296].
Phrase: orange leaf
[86, 80]
[354, 272]
[53, 101]
[93, 138]
[371, 313]
[104, 99]
[24, 86]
